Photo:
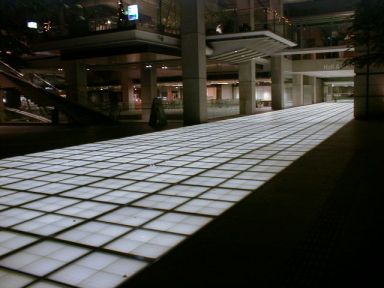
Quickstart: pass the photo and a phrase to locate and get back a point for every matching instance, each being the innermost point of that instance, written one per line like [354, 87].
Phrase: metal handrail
[18, 74]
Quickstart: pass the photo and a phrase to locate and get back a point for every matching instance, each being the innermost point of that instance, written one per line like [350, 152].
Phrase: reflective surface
[94, 215]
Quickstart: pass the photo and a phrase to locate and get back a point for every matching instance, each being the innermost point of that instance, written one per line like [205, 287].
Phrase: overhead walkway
[97, 214]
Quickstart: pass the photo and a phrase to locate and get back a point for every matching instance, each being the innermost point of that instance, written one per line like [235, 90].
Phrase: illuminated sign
[133, 12]
[32, 25]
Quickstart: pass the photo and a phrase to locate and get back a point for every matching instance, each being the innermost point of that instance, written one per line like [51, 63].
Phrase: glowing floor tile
[81, 180]
[130, 216]
[220, 173]
[224, 194]
[245, 161]
[206, 165]
[121, 160]
[106, 172]
[34, 166]
[85, 192]
[112, 183]
[168, 178]
[50, 204]
[10, 172]
[136, 175]
[48, 224]
[86, 209]
[268, 169]
[276, 163]
[130, 167]
[161, 202]
[42, 258]
[120, 197]
[54, 177]
[94, 233]
[47, 284]
[16, 215]
[155, 169]
[19, 198]
[101, 165]
[186, 171]
[204, 181]
[3, 207]
[262, 176]
[25, 184]
[53, 188]
[4, 192]
[99, 270]
[145, 243]
[184, 190]
[178, 223]
[145, 187]
[81, 170]
[10, 241]
[8, 180]
[54, 168]
[10, 279]
[11, 164]
[216, 160]
[208, 207]
[29, 174]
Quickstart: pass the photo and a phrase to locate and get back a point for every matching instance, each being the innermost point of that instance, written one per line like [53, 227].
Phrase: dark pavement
[318, 223]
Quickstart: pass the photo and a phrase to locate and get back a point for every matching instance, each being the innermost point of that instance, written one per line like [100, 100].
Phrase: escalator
[43, 94]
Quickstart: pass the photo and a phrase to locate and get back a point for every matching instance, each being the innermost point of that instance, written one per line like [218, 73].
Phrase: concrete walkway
[124, 203]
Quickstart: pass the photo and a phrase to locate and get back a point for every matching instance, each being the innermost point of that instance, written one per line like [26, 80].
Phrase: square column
[148, 90]
[247, 89]
[277, 75]
[319, 91]
[312, 82]
[297, 89]
[127, 94]
[76, 79]
[193, 61]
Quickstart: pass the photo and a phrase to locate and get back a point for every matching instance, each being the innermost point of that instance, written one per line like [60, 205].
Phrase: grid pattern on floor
[94, 215]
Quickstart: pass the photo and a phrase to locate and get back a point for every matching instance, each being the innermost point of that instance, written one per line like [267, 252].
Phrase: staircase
[40, 96]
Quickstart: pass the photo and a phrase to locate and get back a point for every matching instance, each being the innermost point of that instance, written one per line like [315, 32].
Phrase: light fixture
[32, 25]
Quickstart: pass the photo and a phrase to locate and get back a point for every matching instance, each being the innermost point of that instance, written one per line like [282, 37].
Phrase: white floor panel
[111, 208]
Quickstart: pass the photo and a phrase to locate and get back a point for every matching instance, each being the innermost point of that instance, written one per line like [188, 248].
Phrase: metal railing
[32, 78]
[323, 30]
[95, 17]
[245, 20]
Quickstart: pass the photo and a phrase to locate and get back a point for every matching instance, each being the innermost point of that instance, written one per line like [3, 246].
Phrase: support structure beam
[76, 79]
[148, 90]
[247, 89]
[193, 61]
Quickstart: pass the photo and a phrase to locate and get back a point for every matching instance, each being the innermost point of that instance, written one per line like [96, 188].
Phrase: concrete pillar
[127, 94]
[319, 91]
[219, 92]
[148, 90]
[252, 14]
[297, 89]
[277, 73]
[76, 79]
[2, 106]
[193, 61]
[247, 89]
[368, 90]
[312, 83]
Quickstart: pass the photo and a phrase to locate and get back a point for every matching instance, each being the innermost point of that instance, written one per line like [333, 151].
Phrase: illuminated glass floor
[94, 215]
